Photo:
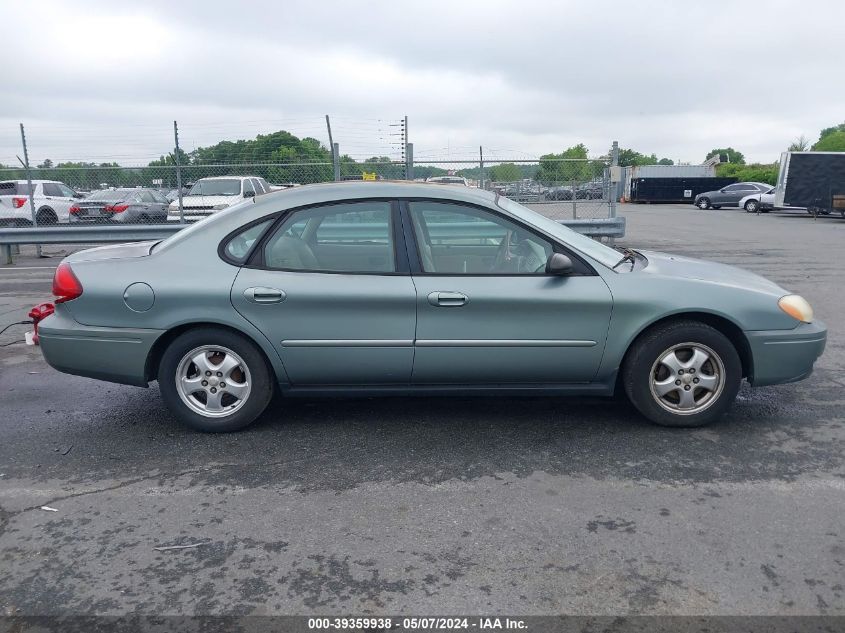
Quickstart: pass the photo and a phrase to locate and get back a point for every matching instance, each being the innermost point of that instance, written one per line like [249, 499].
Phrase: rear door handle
[261, 294]
[447, 299]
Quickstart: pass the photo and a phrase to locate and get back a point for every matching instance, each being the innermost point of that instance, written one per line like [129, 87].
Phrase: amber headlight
[797, 307]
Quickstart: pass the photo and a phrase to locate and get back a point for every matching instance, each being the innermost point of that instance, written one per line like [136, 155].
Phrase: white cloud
[103, 81]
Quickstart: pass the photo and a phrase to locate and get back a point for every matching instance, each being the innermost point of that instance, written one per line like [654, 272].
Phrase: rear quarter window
[237, 247]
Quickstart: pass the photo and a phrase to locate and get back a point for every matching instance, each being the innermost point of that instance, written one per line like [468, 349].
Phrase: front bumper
[112, 354]
[781, 356]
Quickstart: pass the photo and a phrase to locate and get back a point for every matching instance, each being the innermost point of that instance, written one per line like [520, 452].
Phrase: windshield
[582, 243]
[223, 187]
[114, 194]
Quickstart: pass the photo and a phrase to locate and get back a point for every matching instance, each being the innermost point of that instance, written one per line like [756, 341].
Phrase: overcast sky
[104, 80]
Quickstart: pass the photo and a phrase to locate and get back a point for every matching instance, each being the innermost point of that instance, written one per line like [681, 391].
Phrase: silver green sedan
[387, 288]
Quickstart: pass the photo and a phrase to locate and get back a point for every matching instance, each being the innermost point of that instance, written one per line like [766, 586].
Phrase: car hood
[206, 201]
[670, 265]
[113, 251]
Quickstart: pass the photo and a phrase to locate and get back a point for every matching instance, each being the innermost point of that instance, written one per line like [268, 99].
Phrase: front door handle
[261, 294]
[447, 299]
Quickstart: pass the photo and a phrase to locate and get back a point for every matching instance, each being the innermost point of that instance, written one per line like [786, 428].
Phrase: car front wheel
[215, 380]
[703, 203]
[682, 374]
[752, 206]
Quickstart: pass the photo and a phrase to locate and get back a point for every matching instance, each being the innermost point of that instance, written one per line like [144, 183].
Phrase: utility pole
[613, 188]
[408, 150]
[178, 173]
[335, 147]
[336, 161]
[25, 163]
[481, 164]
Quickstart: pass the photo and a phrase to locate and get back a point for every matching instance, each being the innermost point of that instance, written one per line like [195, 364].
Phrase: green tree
[831, 130]
[756, 172]
[47, 164]
[831, 142]
[629, 157]
[571, 165]
[170, 159]
[506, 172]
[800, 144]
[732, 155]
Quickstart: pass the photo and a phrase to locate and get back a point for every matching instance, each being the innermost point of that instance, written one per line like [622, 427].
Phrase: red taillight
[116, 208]
[74, 209]
[65, 284]
[18, 202]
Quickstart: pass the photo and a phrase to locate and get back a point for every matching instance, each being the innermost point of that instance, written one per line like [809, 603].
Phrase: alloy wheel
[687, 378]
[213, 381]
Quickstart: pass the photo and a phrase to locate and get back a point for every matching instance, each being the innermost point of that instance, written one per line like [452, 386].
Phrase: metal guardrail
[594, 227]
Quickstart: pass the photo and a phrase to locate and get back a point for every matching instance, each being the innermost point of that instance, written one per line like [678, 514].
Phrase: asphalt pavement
[432, 505]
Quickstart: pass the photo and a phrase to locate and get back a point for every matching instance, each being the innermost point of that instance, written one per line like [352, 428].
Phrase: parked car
[52, 199]
[404, 288]
[209, 195]
[137, 205]
[763, 201]
[730, 195]
[173, 194]
[559, 193]
[447, 180]
[590, 191]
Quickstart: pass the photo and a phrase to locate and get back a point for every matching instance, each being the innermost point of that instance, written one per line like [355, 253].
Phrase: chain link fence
[560, 188]
[182, 187]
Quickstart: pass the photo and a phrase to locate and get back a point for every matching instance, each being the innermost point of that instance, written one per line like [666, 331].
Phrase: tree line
[281, 157]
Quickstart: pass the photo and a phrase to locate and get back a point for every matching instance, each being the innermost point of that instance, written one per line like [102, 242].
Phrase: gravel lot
[428, 506]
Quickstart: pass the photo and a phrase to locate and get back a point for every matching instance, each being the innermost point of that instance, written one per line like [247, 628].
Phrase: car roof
[34, 181]
[357, 189]
[226, 177]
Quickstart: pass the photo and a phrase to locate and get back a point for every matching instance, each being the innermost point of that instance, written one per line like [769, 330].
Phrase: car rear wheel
[752, 206]
[682, 374]
[703, 203]
[46, 217]
[215, 380]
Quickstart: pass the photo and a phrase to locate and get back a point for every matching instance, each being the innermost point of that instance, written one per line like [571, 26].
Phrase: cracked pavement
[415, 505]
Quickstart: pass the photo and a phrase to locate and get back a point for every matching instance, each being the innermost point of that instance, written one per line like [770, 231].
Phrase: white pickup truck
[52, 199]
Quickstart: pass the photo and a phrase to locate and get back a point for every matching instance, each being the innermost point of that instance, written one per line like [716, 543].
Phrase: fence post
[29, 185]
[336, 161]
[409, 161]
[178, 173]
[481, 165]
[574, 196]
[613, 188]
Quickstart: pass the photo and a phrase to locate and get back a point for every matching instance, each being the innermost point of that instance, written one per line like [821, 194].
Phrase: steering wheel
[517, 255]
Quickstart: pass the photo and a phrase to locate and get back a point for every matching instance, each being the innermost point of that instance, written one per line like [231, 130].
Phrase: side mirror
[558, 264]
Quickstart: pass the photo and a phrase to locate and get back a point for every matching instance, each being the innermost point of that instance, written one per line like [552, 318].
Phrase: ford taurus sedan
[389, 288]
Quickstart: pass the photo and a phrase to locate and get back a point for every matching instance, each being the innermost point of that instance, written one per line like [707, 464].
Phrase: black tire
[703, 203]
[752, 206]
[261, 379]
[716, 206]
[639, 366]
[46, 217]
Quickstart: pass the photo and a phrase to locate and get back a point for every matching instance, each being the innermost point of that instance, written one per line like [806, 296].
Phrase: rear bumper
[111, 354]
[781, 356]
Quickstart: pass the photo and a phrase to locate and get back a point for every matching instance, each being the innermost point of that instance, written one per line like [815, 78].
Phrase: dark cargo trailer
[814, 180]
[674, 189]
